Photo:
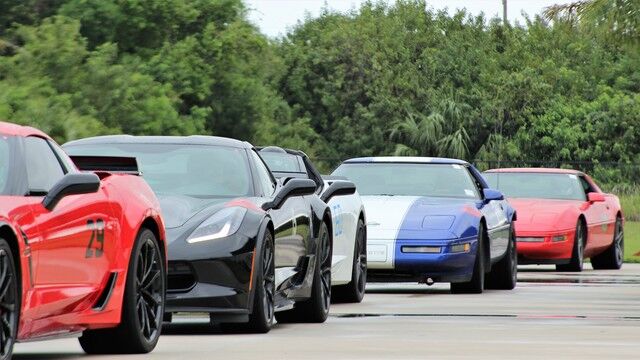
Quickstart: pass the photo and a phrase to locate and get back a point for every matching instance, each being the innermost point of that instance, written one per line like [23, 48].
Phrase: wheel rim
[619, 241]
[149, 290]
[361, 262]
[325, 270]
[8, 296]
[268, 281]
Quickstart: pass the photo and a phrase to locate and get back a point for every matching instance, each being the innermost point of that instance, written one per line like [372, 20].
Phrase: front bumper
[404, 260]
[212, 277]
[547, 249]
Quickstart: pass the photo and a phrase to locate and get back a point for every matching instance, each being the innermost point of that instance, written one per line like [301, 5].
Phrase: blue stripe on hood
[432, 218]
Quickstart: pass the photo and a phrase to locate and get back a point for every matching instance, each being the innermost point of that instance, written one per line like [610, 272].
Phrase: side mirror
[293, 187]
[491, 194]
[595, 197]
[71, 184]
[338, 188]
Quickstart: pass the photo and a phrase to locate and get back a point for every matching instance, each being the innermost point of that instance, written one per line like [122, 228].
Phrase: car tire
[504, 274]
[316, 308]
[577, 254]
[9, 300]
[476, 284]
[142, 305]
[353, 292]
[261, 318]
[613, 257]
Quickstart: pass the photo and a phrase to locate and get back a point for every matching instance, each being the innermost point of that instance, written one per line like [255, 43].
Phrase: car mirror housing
[293, 187]
[595, 197]
[492, 194]
[338, 188]
[71, 184]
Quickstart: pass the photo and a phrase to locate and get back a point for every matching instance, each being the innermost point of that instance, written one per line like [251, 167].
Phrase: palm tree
[617, 19]
[440, 133]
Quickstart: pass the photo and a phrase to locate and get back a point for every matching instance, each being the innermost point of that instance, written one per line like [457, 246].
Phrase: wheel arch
[364, 221]
[583, 220]
[265, 225]
[151, 224]
[326, 218]
[7, 233]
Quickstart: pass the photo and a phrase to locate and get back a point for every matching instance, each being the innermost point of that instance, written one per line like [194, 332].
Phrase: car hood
[177, 210]
[545, 214]
[413, 217]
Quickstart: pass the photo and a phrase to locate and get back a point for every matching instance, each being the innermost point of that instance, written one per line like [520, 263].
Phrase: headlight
[459, 248]
[221, 224]
[559, 238]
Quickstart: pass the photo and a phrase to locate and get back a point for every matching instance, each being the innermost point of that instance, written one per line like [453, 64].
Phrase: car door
[72, 265]
[291, 223]
[599, 220]
[495, 215]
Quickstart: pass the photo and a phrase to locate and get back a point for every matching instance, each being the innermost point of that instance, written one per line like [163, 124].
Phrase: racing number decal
[97, 235]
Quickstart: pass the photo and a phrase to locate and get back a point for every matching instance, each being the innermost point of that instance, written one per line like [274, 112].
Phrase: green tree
[613, 19]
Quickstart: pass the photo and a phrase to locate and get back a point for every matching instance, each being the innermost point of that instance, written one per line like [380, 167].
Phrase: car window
[264, 176]
[282, 162]
[585, 185]
[67, 165]
[476, 181]
[43, 167]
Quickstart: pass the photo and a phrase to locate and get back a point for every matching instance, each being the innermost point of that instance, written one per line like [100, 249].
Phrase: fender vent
[103, 299]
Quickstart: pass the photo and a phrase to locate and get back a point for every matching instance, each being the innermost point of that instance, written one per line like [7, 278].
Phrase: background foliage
[384, 79]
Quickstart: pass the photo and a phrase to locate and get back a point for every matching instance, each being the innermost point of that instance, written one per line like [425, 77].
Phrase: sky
[275, 17]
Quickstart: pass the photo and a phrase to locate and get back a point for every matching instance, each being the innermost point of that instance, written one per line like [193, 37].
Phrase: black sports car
[349, 263]
[241, 246]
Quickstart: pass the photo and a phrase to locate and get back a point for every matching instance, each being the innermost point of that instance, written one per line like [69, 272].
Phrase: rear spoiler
[109, 164]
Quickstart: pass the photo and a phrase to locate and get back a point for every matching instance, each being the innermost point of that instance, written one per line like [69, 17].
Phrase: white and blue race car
[434, 220]
[349, 259]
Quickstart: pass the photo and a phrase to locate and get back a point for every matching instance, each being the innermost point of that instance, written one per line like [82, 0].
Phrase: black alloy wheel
[9, 301]
[149, 290]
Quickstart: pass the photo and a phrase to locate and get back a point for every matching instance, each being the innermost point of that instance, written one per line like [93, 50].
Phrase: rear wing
[109, 164]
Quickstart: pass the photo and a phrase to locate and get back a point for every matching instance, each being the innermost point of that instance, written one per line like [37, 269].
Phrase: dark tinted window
[43, 167]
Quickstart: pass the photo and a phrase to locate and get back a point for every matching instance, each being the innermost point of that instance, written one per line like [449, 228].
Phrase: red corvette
[563, 218]
[80, 253]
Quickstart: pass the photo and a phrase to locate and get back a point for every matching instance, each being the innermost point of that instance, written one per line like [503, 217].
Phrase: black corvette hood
[177, 210]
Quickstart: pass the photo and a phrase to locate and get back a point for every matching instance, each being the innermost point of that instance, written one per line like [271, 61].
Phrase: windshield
[202, 171]
[437, 180]
[281, 162]
[537, 185]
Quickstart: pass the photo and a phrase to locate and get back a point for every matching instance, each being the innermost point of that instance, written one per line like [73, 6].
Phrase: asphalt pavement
[550, 315]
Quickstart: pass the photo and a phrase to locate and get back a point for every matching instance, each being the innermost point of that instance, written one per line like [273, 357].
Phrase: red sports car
[81, 253]
[563, 218]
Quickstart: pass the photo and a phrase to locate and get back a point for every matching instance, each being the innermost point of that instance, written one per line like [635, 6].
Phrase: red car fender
[134, 214]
